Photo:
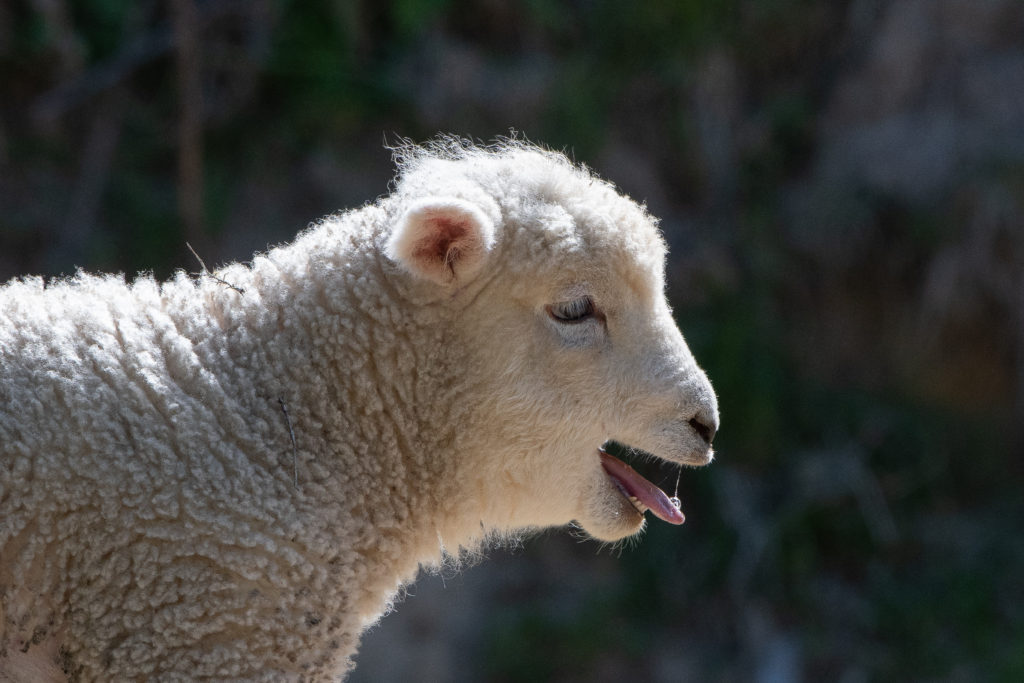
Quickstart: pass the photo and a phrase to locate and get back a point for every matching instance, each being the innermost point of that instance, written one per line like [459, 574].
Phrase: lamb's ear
[443, 239]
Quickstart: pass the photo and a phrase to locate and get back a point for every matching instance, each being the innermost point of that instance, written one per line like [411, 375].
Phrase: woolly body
[230, 477]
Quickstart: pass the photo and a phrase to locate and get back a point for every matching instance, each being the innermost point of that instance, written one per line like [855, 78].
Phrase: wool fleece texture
[229, 476]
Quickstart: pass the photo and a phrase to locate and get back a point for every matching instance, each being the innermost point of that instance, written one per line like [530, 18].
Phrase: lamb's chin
[609, 515]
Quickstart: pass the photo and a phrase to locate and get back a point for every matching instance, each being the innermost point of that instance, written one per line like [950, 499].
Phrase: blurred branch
[756, 532]
[1018, 323]
[67, 95]
[93, 176]
[137, 52]
[63, 37]
[233, 54]
[830, 474]
[190, 121]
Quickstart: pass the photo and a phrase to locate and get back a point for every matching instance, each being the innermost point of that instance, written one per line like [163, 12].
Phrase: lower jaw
[616, 520]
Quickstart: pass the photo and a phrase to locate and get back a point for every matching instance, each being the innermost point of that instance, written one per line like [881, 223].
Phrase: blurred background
[842, 187]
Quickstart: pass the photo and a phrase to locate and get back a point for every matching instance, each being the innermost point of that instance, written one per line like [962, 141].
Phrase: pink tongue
[644, 491]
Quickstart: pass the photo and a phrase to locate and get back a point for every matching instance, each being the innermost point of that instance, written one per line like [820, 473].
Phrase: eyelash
[570, 312]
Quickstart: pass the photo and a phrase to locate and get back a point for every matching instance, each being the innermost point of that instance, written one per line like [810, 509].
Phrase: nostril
[706, 431]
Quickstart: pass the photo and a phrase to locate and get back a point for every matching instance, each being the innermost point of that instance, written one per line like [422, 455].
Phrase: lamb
[230, 476]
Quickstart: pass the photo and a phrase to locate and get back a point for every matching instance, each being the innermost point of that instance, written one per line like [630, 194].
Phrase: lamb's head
[553, 286]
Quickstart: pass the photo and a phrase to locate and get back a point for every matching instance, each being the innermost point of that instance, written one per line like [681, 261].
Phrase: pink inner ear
[441, 245]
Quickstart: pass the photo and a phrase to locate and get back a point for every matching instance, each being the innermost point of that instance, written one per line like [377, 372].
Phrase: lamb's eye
[574, 311]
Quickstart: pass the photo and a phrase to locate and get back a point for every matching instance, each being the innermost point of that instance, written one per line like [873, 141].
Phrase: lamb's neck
[346, 388]
[360, 338]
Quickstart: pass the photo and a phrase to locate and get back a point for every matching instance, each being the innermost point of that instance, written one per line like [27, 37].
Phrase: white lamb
[230, 477]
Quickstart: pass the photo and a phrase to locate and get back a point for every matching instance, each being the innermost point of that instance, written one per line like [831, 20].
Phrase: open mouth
[639, 491]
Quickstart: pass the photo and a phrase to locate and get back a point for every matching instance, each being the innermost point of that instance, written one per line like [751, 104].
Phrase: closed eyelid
[575, 310]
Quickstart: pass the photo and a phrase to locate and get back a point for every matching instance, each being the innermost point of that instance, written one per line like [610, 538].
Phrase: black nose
[705, 427]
